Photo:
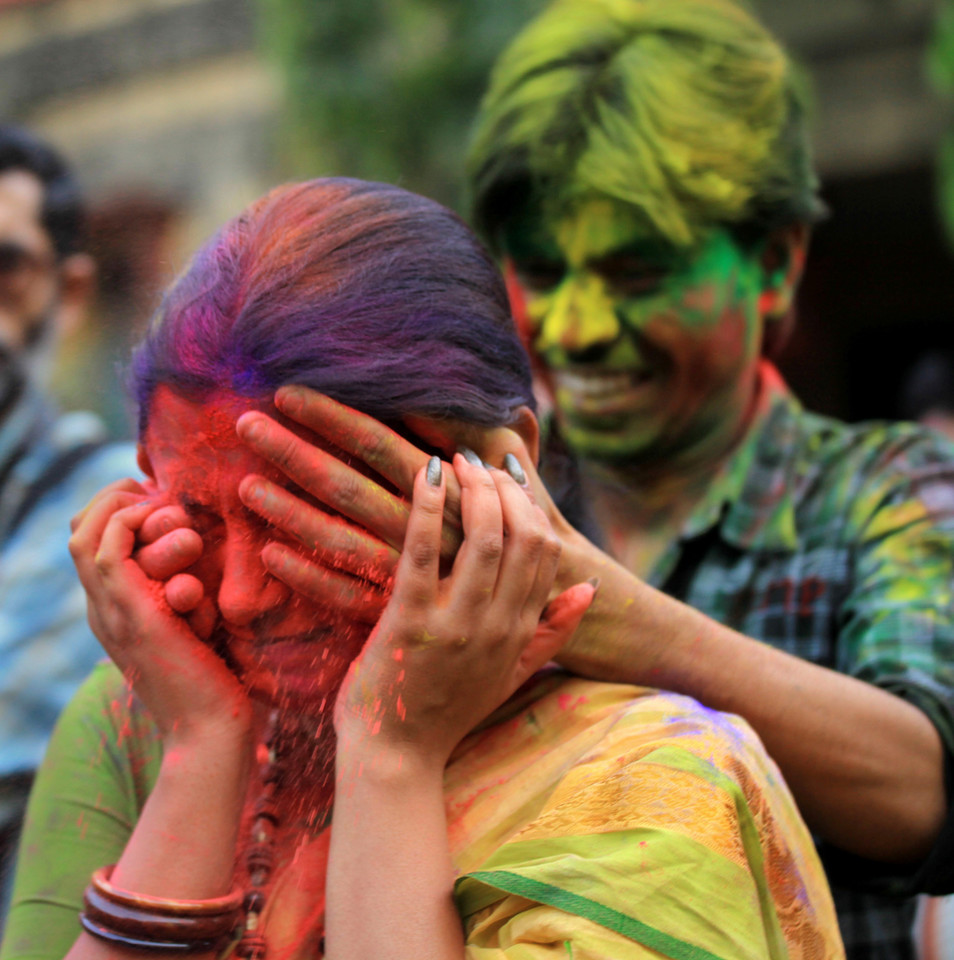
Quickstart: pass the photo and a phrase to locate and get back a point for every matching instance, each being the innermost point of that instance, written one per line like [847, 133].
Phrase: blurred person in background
[642, 168]
[51, 464]
[927, 391]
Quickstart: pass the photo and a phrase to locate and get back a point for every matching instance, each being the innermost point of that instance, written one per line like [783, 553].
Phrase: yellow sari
[588, 821]
[599, 820]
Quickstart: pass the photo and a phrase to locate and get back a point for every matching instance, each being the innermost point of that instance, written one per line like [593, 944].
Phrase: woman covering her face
[263, 773]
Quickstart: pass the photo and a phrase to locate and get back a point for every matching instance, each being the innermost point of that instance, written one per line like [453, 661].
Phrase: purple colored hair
[377, 297]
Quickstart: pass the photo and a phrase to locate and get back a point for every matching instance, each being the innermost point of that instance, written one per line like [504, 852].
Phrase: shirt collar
[751, 496]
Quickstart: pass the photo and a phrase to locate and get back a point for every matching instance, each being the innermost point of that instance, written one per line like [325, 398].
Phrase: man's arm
[864, 765]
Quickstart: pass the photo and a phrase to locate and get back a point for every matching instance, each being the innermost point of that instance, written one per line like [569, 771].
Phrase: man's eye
[633, 278]
[539, 275]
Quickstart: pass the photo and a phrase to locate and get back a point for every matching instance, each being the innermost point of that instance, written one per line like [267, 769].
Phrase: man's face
[29, 276]
[651, 350]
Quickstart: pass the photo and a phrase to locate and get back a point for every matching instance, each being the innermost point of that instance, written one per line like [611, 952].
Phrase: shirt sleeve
[101, 762]
[897, 629]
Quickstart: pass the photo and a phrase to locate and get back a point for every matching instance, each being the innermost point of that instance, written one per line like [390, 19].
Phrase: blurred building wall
[875, 110]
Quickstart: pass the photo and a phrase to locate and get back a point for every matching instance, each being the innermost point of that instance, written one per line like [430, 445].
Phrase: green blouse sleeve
[101, 763]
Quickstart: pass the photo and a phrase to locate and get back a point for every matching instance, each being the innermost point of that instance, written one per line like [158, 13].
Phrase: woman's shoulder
[578, 720]
[587, 793]
[107, 723]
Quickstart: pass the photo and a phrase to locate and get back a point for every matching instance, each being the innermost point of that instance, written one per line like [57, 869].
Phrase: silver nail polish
[471, 457]
[512, 466]
[434, 471]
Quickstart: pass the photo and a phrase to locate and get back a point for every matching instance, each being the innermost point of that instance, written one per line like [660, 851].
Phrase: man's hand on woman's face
[377, 497]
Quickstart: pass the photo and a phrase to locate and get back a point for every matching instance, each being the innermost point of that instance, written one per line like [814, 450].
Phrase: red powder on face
[276, 640]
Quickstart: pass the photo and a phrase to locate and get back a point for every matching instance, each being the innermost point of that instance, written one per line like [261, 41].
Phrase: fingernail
[254, 491]
[512, 466]
[434, 471]
[289, 399]
[252, 428]
[594, 582]
[471, 457]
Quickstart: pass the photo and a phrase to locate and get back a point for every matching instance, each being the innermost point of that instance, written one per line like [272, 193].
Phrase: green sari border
[605, 916]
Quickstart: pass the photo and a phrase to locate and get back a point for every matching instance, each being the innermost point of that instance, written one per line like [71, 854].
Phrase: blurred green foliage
[940, 67]
[385, 89]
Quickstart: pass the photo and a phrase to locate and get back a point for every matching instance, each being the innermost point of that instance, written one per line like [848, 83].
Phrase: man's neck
[648, 500]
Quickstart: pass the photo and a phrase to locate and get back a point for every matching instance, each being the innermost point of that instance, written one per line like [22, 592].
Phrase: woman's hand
[448, 651]
[187, 688]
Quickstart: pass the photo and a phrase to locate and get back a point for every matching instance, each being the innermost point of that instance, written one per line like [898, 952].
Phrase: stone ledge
[158, 38]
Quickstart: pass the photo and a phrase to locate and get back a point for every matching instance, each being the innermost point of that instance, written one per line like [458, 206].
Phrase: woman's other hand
[124, 548]
[167, 547]
[448, 651]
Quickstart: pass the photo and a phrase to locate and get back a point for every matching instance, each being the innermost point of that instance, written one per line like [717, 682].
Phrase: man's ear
[145, 464]
[77, 286]
[782, 261]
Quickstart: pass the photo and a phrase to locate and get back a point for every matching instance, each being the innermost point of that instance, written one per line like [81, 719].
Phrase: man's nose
[247, 591]
[581, 319]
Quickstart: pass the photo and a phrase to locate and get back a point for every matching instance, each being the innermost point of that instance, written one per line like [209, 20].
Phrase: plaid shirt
[835, 542]
[46, 646]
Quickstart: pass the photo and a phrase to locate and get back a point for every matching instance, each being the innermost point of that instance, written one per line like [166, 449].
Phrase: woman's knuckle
[422, 554]
[286, 450]
[489, 547]
[373, 444]
[534, 541]
[348, 492]
[75, 545]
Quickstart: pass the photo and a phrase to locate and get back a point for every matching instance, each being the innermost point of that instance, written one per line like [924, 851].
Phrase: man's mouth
[602, 392]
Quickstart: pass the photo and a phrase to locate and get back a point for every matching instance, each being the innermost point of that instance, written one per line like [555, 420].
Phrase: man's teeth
[601, 384]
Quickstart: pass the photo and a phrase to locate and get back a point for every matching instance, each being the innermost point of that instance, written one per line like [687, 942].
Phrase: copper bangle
[157, 923]
[230, 903]
[111, 936]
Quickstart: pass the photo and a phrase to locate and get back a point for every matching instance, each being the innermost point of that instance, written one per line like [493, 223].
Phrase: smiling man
[642, 169]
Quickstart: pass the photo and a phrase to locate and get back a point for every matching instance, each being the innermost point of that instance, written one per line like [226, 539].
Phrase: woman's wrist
[221, 742]
[386, 762]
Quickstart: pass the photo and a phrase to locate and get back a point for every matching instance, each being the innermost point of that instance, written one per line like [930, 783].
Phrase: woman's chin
[298, 675]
